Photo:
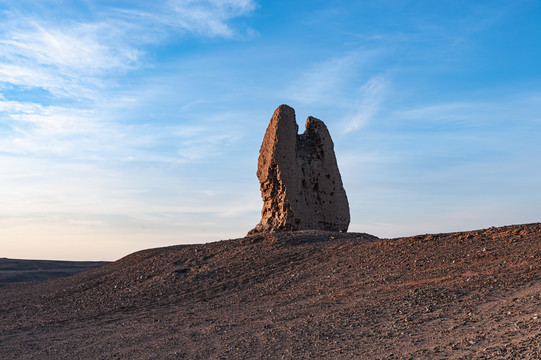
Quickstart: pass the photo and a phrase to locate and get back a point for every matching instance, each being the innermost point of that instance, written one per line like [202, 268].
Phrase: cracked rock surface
[300, 182]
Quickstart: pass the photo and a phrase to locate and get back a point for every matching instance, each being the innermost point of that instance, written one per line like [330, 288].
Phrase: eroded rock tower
[301, 186]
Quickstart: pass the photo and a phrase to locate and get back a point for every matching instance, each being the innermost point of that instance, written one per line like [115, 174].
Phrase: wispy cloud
[369, 99]
[448, 112]
[76, 59]
[328, 81]
[344, 84]
[81, 49]
[69, 61]
[201, 142]
[30, 129]
[72, 134]
[207, 17]
[480, 115]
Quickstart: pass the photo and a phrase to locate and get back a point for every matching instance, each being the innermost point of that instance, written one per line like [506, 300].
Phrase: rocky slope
[300, 295]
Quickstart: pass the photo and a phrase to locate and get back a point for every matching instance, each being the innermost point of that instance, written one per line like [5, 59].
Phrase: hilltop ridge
[306, 294]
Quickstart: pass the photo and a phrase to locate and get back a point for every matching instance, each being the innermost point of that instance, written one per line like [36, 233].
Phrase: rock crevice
[301, 186]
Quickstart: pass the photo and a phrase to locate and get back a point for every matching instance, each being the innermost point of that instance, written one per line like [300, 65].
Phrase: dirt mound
[295, 295]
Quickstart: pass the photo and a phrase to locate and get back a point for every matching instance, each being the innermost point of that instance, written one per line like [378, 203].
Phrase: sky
[127, 125]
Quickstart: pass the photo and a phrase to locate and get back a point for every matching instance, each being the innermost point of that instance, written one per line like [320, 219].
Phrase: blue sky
[132, 124]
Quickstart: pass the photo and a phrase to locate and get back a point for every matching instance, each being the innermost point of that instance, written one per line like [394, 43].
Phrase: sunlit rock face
[301, 186]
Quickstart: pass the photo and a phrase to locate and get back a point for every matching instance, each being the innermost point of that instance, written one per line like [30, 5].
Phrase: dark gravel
[301, 295]
[16, 270]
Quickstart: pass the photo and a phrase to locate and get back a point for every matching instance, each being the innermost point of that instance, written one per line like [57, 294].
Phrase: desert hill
[292, 295]
[17, 270]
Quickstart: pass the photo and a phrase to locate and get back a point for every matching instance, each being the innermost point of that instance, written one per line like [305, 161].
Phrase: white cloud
[512, 112]
[77, 47]
[77, 62]
[68, 61]
[18, 107]
[335, 84]
[94, 134]
[330, 81]
[201, 17]
[210, 18]
[370, 97]
[75, 59]
[198, 142]
[325, 81]
[37, 130]
[207, 17]
[451, 111]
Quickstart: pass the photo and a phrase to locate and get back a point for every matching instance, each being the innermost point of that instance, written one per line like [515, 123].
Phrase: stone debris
[301, 186]
[292, 295]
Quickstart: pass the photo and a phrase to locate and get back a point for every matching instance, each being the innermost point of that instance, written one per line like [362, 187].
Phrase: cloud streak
[205, 18]
[77, 62]
[75, 58]
[343, 84]
[328, 81]
[70, 61]
[369, 100]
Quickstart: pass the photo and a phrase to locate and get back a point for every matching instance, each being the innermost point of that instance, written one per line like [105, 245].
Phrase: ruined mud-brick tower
[301, 186]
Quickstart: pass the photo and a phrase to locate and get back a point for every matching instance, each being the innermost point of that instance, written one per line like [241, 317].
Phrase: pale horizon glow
[127, 125]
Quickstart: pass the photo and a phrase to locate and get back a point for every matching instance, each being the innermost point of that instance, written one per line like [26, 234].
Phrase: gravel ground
[301, 295]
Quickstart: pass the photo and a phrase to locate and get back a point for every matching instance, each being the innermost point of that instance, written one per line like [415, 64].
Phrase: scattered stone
[301, 186]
